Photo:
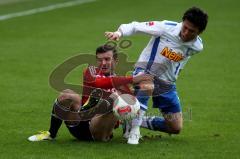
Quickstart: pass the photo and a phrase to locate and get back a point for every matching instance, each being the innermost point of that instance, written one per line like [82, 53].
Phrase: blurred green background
[32, 46]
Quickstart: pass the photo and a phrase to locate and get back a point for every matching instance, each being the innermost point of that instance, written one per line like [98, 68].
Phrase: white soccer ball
[126, 107]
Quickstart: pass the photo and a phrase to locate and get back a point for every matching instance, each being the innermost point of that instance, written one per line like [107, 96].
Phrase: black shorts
[81, 131]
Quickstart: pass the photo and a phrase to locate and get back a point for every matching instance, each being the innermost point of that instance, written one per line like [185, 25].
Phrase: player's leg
[94, 126]
[68, 99]
[81, 131]
[142, 92]
[172, 120]
[101, 126]
[170, 123]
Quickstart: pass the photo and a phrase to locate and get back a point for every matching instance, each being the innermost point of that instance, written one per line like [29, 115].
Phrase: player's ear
[116, 60]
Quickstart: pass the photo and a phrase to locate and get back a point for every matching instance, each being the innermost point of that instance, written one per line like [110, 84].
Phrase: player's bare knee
[174, 124]
[69, 98]
[64, 99]
[65, 94]
[175, 129]
[68, 91]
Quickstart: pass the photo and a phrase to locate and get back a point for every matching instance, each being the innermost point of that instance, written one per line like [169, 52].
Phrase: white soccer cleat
[43, 135]
[134, 136]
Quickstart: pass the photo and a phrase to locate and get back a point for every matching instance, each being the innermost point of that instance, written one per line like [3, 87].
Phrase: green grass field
[32, 46]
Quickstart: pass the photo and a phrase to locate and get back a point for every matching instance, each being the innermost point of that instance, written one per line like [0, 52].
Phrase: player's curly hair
[196, 16]
[106, 47]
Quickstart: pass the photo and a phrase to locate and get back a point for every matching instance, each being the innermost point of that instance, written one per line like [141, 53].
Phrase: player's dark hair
[196, 16]
[105, 48]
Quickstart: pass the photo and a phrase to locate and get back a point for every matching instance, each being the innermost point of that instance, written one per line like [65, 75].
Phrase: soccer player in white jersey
[170, 47]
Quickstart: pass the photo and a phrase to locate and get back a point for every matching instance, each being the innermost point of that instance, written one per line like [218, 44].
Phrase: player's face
[189, 31]
[106, 62]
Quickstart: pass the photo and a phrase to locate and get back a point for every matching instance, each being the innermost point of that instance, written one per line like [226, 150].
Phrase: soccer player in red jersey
[99, 83]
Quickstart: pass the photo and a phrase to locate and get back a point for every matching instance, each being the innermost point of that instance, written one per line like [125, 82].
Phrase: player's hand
[142, 77]
[113, 35]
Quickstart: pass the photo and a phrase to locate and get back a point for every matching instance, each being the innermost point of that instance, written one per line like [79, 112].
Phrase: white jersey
[166, 53]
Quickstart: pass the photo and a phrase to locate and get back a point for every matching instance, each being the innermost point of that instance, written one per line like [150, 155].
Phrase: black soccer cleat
[93, 99]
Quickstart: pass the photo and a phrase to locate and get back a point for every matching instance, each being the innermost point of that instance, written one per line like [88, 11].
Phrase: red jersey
[94, 78]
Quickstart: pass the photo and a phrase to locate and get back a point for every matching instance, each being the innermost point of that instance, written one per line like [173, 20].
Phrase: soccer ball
[126, 107]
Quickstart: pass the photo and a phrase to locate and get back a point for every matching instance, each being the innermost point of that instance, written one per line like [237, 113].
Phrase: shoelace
[135, 136]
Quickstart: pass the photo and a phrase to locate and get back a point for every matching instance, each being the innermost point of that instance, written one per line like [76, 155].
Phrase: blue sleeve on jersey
[170, 23]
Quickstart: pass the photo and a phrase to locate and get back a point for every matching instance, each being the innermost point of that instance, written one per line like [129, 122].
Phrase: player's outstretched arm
[153, 28]
[142, 77]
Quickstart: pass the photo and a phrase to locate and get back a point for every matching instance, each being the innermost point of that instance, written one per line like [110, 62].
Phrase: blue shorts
[167, 102]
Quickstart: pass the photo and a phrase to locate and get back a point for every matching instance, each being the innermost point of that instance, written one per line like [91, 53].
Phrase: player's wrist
[119, 33]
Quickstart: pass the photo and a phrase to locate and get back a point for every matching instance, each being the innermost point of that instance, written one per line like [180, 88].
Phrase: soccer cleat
[93, 99]
[134, 136]
[43, 135]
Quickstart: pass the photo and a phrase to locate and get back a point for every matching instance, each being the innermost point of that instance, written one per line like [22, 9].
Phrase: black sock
[55, 124]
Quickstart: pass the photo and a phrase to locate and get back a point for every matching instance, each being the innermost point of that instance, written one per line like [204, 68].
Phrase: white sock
[138, 120]
[147, 122]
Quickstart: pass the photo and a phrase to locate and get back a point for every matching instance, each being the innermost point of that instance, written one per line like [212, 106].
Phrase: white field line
[43, 9]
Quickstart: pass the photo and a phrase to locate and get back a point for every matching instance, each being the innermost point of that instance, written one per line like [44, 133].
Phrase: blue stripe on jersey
[153, 53]
[199, 39]
[178, 66]
[171, 23]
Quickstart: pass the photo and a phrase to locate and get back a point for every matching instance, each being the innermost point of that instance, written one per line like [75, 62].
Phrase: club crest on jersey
[171, 55]
[150, 23]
